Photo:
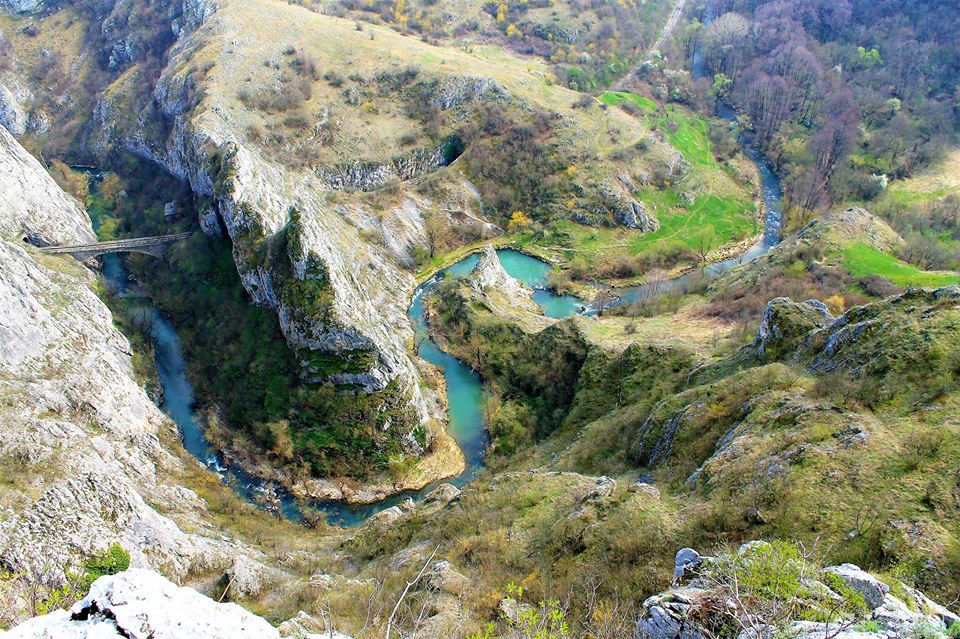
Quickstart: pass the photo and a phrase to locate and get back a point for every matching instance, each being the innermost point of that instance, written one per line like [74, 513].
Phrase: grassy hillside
[588, 44]
[375, 95]
[835, 431]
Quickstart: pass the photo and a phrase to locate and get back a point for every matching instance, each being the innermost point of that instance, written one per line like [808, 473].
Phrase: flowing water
[464, 389]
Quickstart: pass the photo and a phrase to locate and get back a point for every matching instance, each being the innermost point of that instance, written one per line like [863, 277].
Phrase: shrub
[926, 630]
[877, 286]
[106, 562]
[584, 101]
[765, 586]
[546, 620]
[923, 445]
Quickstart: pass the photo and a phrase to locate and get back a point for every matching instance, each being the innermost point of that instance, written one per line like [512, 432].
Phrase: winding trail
[668, 28]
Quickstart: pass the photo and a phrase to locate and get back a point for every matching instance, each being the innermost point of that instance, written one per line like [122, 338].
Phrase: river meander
[464, 387]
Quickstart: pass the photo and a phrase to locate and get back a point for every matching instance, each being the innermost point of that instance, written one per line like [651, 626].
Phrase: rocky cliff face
[33, 206]
[850, 602]
[140, 604]
[254, 197]
[489, 276]
[79, 438]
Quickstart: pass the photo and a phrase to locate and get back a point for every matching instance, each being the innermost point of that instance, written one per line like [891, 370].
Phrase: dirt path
[672, 21]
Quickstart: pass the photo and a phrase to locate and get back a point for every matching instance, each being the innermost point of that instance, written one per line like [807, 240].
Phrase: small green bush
[106, 562]
[926, 630]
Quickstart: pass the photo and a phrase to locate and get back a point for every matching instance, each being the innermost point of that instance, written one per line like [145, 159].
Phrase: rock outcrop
[254, 197]
[81, 432]
[32, 206]
[368, 176]
[626, 209]
[503, 293]
[13, 116]
[22, 6]
[860, 605]
[784, 322]
[140, 604]
[456, 90]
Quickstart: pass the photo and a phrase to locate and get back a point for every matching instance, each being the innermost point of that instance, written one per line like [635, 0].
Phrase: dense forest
[837, 92]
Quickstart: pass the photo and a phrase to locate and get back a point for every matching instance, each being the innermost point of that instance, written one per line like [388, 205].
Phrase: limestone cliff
[80, 441]
[253, 197]
[140, 604]
[33, 206]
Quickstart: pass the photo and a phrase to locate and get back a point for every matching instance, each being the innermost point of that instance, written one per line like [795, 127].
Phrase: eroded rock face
[367, 176]
[457, 90]
[254, 199]
[141, 604]
[32, 206]
[80, 428]
[22, 6]
[687, 610]
[13, 117]
[784, 322]
[869, 587]
[490, 278]
[626, 209]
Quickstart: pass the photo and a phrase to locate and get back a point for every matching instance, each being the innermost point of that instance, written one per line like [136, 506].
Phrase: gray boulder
[869, 587]
[665, 616]
[21, 6]
[442, 494]
[245, 577]
[686, 558]
[785, 322]
[626, 209]
[812, 630]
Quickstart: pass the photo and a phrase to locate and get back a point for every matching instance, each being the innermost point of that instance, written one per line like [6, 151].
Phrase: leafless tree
[392, 619]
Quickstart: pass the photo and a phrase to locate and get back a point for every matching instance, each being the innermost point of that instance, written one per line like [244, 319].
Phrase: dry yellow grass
[242, 44]
[936, 181]
[686, 325]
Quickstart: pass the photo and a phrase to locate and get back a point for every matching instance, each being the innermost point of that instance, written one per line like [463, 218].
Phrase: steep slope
[331, 260]
[88, 459]
[35, 209]
[339, 157]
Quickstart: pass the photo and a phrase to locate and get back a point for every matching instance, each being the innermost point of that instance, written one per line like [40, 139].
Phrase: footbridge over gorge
[156, 246]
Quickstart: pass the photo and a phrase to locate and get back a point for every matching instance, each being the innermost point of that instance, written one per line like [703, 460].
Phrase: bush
[584, 101]
[877, 286]
[766, 586]
[926, 630]
[107, 562]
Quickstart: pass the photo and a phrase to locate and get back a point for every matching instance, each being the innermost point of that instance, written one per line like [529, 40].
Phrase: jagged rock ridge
[140, 604]
[82, 433]
[700, 601]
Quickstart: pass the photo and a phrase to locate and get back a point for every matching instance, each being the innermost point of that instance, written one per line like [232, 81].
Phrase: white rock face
[489, 275]
[504, 293]
[371, 291]
[872, 590]
[73, 419]
[13, 117]
[31, 203]
[21, 6]
[140, 604]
